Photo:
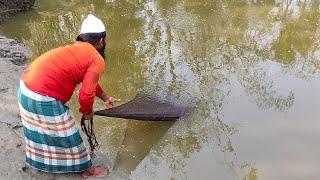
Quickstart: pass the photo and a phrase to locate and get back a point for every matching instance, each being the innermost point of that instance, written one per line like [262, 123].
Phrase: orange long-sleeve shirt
[57, 72]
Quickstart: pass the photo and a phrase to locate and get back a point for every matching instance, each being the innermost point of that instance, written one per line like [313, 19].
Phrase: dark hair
[92, 38]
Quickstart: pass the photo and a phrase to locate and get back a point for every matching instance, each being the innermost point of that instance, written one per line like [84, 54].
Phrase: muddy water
[251, 69]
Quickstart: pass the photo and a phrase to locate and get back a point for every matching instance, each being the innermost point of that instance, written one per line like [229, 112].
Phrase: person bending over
[53, 143]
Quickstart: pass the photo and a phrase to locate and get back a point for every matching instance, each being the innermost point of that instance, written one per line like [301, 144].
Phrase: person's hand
[110, 101]
[88, 116]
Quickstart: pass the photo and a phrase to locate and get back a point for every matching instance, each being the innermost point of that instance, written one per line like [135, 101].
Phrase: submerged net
[145, 108]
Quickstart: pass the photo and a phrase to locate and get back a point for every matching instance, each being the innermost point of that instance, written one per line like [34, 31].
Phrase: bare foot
[95, 172]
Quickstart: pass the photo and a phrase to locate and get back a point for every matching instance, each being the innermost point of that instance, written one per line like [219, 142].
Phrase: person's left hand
[110, 101]
[88, 116]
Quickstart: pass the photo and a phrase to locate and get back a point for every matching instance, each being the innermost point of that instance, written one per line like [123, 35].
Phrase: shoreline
[12, 153]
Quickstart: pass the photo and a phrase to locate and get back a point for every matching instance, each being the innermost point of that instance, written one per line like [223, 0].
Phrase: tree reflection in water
[196, 50]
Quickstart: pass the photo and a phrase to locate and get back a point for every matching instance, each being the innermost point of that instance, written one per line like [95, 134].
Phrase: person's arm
[108, 100]
[88, 89]
[100, 93]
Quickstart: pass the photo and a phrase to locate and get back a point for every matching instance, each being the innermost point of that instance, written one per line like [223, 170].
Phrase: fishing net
[146, 108]
[140, 108]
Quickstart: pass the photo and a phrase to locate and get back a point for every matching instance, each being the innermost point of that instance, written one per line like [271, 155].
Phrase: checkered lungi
[53, 143]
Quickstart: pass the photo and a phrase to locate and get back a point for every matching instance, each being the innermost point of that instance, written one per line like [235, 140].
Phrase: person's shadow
[139, 138]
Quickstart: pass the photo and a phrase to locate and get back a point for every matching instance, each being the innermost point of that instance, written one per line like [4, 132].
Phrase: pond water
[250, 68]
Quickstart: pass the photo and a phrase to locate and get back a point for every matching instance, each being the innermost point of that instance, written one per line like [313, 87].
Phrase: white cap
[92, 24]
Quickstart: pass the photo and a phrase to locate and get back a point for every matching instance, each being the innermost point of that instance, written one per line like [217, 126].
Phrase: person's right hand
[110, 101]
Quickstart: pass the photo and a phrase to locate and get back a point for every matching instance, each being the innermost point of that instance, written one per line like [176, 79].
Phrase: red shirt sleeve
[99, 91]
[90, 85]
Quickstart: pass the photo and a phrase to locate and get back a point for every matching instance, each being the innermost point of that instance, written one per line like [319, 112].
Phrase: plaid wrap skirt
[53, 143]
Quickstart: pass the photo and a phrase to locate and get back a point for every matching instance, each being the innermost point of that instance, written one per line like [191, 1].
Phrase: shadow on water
[139, 138]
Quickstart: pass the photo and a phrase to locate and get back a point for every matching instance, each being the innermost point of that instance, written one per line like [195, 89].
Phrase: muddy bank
[12, 54]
